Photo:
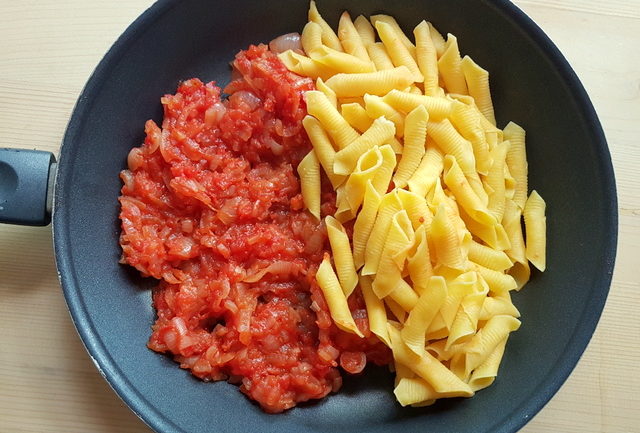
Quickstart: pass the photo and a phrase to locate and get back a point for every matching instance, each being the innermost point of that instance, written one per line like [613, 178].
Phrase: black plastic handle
[26, 186]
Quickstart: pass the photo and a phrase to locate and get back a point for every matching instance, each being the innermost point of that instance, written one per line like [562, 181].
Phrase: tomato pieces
[211, 207]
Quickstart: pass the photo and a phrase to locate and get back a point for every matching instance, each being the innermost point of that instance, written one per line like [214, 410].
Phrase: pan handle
[26, 186]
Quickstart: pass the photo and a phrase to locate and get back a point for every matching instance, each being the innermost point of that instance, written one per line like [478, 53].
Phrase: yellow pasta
[438, 40]
[438, 328]
[488, 257]
[375, 107]
[438, 108]
[340, 61]
[437, 349]
[323, 148]
[328, 92]
[429, 170]
[517, 161]
[458, 287]
[378, 134]
[419, 261]
[465, 119]
[513, 228]
[356, 116]
[329, 38]
[406, 135]
[517, 250]
[389, 205]
[450, 67]
[399, 53]
[311, 37]
[464, 194]
[482, 344]
[416, 207]
[535, 223]
[319, 106]
[309, 172]
[364, 223]
[414, 145]
[403, 294]
[453, 214]
[375, 311]
[410, 391]
[398, 312]
[344, 212]
[306, 66]
[498, 282]
[494, 180]
[336, 300]
[427, 58]
[415, 327]
[446, 242]
[391, 21]
[486, 373]
[375, 165]
[350, 38]
[383, 174]
[477, 80]
[365, 170]
[373, 83]
[466, 319]
[401, 370]
[509, 182]
[365, 30]
[498, 304]
[428, 368]
[342, 256]
[380, 57]
[351, 100]
[451, 142]
[414, 89]
[398, 241]
[493, 235]
[493, 134]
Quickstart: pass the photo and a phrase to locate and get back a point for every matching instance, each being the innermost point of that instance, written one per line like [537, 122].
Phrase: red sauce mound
[211, 207]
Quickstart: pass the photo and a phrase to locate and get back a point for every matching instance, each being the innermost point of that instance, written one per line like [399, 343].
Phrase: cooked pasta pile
[430, 199]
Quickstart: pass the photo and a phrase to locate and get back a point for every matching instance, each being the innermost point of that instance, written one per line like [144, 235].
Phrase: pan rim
[146, 411]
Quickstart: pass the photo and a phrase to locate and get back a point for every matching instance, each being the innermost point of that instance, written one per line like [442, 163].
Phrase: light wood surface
[48, 49]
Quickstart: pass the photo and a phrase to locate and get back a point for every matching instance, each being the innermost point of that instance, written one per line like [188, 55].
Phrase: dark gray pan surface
[532, 84]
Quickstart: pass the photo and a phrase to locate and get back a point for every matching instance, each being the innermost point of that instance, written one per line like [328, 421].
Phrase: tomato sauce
[211, 207]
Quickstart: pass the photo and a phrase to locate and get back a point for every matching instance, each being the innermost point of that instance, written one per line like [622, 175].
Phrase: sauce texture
[211, 207]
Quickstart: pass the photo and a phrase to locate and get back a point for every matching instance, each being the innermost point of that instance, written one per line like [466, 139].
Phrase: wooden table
[48, 48]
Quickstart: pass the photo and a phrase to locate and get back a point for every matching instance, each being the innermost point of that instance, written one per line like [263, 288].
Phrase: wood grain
[49, 48]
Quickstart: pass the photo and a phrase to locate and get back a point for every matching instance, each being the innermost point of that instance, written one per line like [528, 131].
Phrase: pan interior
[532, 85]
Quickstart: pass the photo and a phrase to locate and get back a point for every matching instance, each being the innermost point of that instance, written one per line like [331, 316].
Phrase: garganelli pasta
[430, 199]
[348, 198]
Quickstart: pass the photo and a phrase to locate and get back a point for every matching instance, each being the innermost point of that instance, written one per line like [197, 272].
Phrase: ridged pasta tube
[350, 38]
[319, 106]
[373, 83]
[415, 137]
[535, 223]
[336, 300]
[329, 38]
[450, 67]
[438, 108]
[399, 53]
[309, 172]
[378, 134]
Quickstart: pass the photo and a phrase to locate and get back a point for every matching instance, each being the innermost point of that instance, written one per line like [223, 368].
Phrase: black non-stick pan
[569, 165]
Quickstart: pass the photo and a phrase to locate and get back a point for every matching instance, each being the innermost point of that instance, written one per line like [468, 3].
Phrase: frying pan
[110, 304]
